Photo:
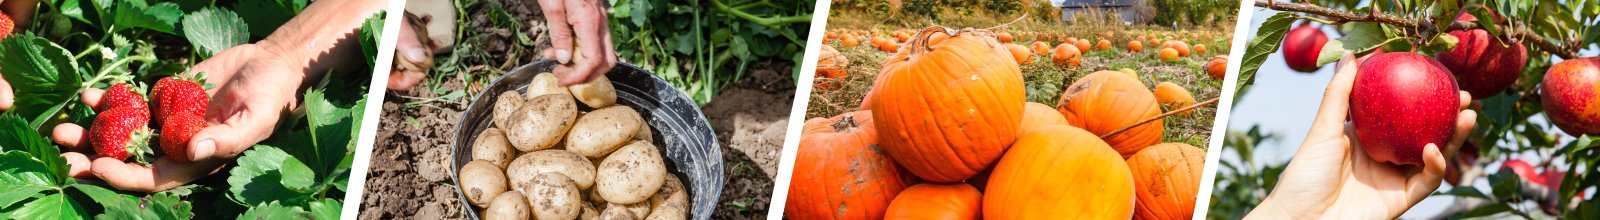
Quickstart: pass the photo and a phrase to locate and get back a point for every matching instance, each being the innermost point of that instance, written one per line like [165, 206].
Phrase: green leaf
[1363, 38]
[265, 16]
[1485, 19]
[327, 208]
[154, 206]
[371, 35]
[161, 17]
[53, 206]
[101, 194]
[258, 179]
[1491, 209]
[273, 210]
[212, 30]
[1268, 37]
[42, 74]
[22, 176]
[1442, 42]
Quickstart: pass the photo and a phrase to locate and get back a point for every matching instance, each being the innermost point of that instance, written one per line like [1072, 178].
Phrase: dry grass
[1044, 80]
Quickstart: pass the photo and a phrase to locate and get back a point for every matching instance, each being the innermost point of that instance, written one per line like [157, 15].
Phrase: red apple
[1571, 96]
[1400, 103]
[1523, 170]
[1483, 65]
[1301, 47]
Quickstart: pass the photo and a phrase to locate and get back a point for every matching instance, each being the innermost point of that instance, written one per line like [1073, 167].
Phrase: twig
[1159, 117]
[1377, 17]
[1008, 24]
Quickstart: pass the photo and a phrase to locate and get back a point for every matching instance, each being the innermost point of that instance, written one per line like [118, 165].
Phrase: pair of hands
[1331, 177]
[583, 20]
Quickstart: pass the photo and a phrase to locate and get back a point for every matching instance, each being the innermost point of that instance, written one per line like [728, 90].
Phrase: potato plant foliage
[299, 172]
[1511, 124]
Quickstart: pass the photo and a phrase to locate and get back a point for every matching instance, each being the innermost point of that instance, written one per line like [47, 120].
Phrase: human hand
[252, 91]
[414, 57]
[586, 20]
[21, 12]
[1331, 177]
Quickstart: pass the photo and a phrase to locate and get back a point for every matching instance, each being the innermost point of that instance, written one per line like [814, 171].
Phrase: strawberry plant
[703, 46]
[1529, 69]
[135, 47]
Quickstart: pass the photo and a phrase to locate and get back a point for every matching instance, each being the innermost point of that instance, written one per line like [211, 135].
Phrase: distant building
[1131, 11]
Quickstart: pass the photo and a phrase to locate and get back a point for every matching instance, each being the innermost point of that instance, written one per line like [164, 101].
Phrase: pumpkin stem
[1159, 117]
[920, 45]
[845, 124]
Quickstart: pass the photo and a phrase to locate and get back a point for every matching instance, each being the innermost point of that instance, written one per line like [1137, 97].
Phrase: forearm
[321, 35]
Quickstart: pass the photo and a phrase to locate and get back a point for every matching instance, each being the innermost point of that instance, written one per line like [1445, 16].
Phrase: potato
[594, 196]
[671, 202]
[492, 146]
[615, 212]
[603, 130]
[553, 196]
[631, 174]
[597, 93]
[525, 168]
[504, 105]
[481, 181]
[644, 133]
[546, 83]
[508, 206]
[589, 212]
[639, 210]
[541, 122]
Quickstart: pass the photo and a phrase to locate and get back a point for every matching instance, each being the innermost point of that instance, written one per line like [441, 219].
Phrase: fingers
[1466, 99]
[586, 23]
[224, 141]
[1465, 122]
[164, 174]
[404, 80]
[1335, 106]
[91, 97]
[7, 97]
[555, 15]
[70, 135]
[1423, 183]
[78, 165]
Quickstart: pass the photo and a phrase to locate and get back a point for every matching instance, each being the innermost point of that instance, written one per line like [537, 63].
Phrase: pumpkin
[1066, 55]
[902, 36]
[1103, 45]
[1169, 54]
[1082, 44]
[1035, 115]
[1180, 46]
[955, 107]
[1004, 37]
[846, 175]
[1218, 67]
[1199, 49]
[1059, 172]
[1020, 53]
[1173, 96]
[1166, 180]
[850, 41]
[831, 63]
[1105, 101]
[1130, 72]
[1135, 46]
[936, 201]
[866, 102]
[1041, 48]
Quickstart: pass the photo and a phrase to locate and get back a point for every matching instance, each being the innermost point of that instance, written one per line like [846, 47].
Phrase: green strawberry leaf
[259, 178]
[371, 34]
[101, 194]
[327, 208]
[42, 74]
[18, 136]
[265, 16]
[161, 17]
[154, 206]
[1268, 37]
[212, 30]
[296, 175]
[22, 176]
[53, 206]
[273, 210]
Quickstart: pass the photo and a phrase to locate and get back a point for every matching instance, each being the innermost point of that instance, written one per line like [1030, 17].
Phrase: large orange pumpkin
[1135, 46]
[1168, 54]
[831, 63]
[1218, 67]
[1105, 101]
[1035, 115]
[1041, 48]
[1059, 172]
[1173, 96]
[950, 109]
[1167, 179]
[937, 201]
[1180, 46]
[1021, 54]
[1004, 37]
[846, 175]
[1066, 55]
[1083, 45]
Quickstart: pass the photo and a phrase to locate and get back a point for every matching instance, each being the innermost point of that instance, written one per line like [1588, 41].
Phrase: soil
[409, 175]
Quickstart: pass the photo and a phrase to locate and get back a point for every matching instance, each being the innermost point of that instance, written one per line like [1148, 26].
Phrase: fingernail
[414, 55]
[203, 150]
[564, 56]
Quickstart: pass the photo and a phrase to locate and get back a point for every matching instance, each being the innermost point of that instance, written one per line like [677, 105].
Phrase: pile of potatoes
[544, 159]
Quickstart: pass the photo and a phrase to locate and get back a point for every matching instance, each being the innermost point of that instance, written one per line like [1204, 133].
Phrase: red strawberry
[122, 96]
[6, 25]
[175, 135]
[121, 132]
[175, 96]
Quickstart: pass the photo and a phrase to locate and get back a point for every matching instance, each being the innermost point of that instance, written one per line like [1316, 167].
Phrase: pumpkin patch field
[1003, 116]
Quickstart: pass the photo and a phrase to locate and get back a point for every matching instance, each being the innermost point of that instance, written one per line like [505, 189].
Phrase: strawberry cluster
[122, 128]
[6, 24]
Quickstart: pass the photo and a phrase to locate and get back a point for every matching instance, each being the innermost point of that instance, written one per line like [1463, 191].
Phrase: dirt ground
[410, 172]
